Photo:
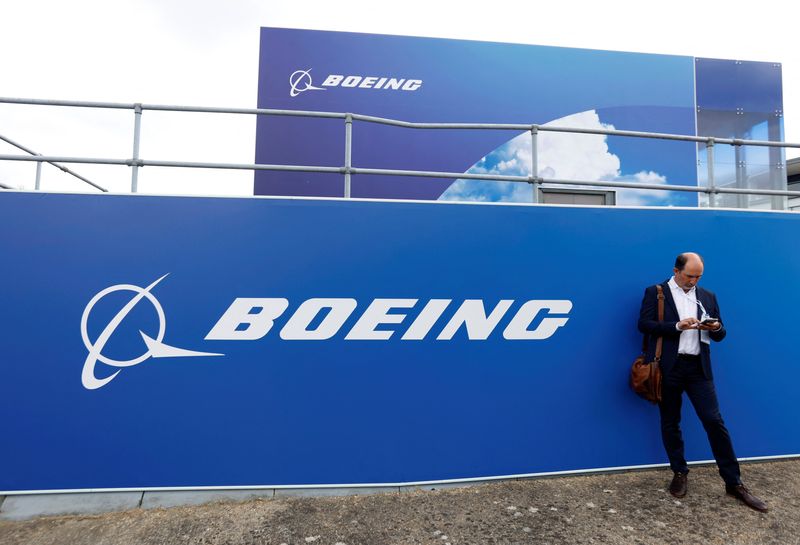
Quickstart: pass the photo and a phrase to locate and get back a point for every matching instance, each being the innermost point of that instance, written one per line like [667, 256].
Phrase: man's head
[688, 270]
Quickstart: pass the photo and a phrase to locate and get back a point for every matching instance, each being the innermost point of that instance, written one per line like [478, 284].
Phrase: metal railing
[38, 182]
[348, 170]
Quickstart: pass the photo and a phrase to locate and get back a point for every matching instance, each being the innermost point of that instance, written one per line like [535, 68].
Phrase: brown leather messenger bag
[645, 377]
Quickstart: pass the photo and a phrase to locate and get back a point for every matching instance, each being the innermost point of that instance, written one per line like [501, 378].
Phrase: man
[691, 321]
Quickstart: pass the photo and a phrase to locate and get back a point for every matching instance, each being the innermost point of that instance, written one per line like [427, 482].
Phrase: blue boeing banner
[439, 80]
[187, 342]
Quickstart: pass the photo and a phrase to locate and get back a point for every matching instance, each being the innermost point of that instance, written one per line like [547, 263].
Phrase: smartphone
[708, 321]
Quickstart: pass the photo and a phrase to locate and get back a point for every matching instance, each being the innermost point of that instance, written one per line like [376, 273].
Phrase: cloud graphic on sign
[561, 156]
[632, 197]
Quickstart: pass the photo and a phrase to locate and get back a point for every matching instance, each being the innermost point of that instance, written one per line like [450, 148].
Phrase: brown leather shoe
[742, 493]
[678, 485]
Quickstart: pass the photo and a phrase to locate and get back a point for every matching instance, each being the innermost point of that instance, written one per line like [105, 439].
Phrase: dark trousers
[687, 376]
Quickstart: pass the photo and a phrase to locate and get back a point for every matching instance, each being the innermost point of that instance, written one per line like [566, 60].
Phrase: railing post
[137, 131]
[741, 200]
[778, 202]
[535, 162]
[710, 164]
[38, 184]
[348, 152]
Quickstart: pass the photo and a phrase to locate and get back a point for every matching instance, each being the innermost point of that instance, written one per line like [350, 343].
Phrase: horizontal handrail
[135, 162]
[395, 172]
[395, 122]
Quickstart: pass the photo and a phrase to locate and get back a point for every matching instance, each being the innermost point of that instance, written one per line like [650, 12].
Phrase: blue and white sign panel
[180, 342]
[437, 80]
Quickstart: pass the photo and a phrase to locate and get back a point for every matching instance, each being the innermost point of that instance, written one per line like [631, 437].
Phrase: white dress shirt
[686, 303]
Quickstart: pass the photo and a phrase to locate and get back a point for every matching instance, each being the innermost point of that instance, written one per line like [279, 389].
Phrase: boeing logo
[320, 319]
[155, 348]
[300, 81]
[249, 319]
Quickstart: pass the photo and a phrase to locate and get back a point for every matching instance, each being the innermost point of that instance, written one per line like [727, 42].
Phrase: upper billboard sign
[438, 80]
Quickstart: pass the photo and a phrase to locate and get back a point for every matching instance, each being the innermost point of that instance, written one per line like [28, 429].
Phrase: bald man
[691, 321]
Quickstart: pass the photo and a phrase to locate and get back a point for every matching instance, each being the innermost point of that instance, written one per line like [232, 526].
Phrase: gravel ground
[616, 508]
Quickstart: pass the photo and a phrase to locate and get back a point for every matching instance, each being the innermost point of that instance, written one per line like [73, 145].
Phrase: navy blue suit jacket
[652, 328]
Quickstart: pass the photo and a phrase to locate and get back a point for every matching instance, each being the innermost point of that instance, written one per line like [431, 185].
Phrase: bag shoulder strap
[660, 340]
[660, 319]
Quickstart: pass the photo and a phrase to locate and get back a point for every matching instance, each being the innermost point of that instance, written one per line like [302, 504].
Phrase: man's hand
[689, 323]
[709, 326]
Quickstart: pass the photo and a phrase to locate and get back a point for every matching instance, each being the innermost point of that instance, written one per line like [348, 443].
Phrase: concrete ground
[622, 508]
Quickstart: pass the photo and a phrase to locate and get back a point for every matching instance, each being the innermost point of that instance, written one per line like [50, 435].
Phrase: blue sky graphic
[595, 158]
